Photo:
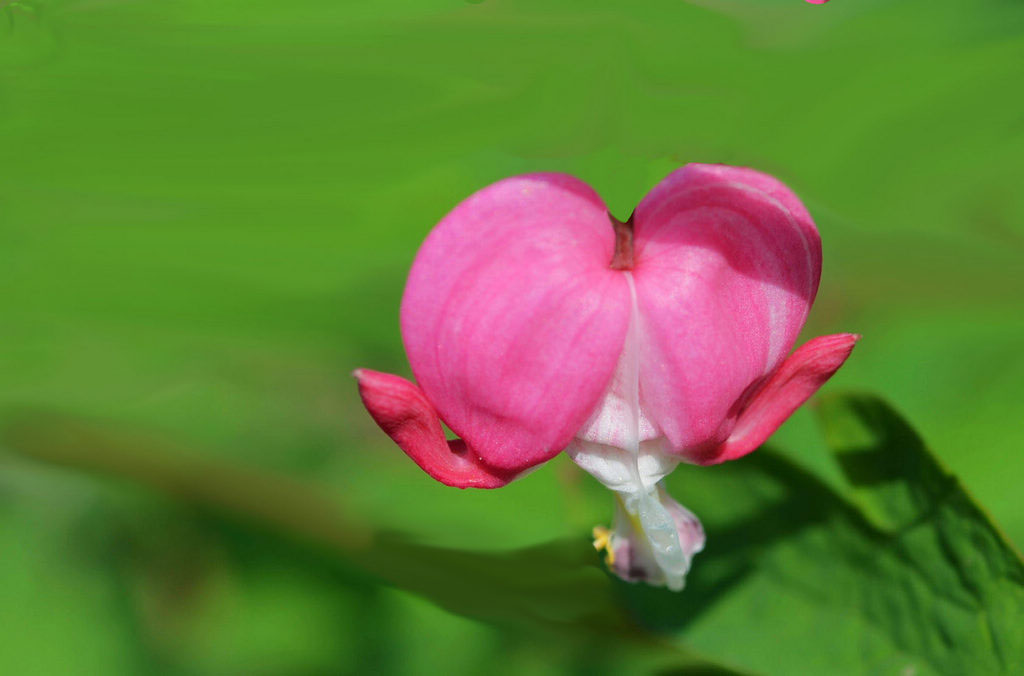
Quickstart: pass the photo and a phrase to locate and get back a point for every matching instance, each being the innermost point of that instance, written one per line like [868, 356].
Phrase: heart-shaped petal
[727, 266]
[513, 320]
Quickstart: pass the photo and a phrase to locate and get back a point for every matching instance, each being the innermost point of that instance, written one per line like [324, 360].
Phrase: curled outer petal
[403, 412]
[513, 320]
[727, 266]
[791, 385]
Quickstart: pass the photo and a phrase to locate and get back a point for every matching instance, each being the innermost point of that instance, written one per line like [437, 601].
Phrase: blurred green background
[207, 212]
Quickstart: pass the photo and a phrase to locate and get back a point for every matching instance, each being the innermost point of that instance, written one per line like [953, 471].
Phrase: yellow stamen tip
[603, 541]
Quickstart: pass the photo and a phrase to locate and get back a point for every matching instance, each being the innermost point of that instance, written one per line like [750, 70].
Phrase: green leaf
[895, 570]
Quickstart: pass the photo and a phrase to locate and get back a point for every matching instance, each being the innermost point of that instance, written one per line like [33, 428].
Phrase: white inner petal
[620, 470]
[619, 419]
[619, 444]
[623, 450]
[646, 553]
[660, 529]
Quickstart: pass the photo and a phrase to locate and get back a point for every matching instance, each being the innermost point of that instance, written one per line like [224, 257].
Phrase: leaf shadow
[732, 552]
[556, 589]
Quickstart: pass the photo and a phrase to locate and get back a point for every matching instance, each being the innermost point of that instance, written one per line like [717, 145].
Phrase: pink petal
[512, 319]
[727, 266]
[403, 412]
[791, 385]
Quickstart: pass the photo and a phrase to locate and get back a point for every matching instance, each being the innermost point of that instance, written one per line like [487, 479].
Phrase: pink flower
[536, 323]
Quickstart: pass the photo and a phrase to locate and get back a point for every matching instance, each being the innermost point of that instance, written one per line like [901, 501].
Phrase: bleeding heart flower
[535, 323]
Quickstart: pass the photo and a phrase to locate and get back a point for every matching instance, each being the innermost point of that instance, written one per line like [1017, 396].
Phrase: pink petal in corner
[800, 376]
[403, 412]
